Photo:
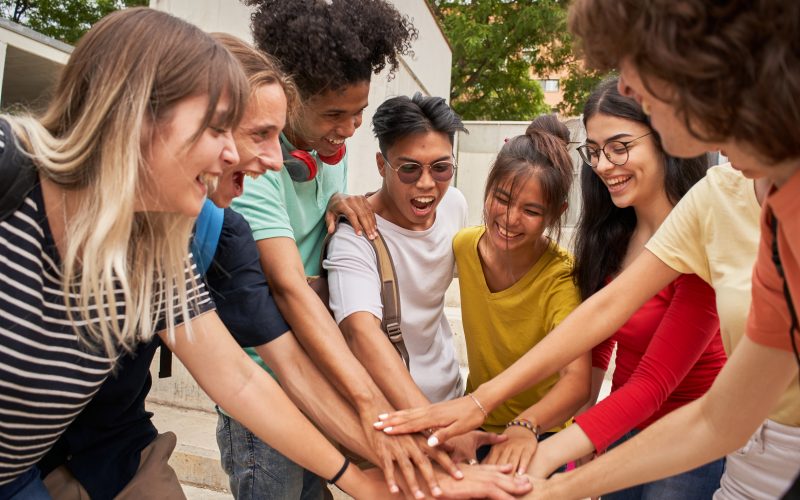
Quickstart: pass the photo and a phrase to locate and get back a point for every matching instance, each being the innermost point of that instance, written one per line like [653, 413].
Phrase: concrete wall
[476, 151]
[426, 70]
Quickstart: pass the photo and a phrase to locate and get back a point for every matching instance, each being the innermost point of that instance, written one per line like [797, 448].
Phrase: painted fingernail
[436, 491]
[387, 429]
[459, 474]
[377, 424]
[433, 441]
[419, 494]
[394, 489]
[383, 416]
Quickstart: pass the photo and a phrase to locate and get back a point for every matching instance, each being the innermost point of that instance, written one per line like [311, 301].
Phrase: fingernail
[383, 416]
[436, 491]
[459, 474]
[433, 441]
[520, 472]
[377, 424]
[394, 489]
[387, 429]
[419, 494]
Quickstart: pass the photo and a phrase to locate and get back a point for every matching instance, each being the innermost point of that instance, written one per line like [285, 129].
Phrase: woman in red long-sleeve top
[670, 351]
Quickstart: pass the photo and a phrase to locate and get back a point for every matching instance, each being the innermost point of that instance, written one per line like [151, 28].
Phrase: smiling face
[515, 214]
[641, 179]
[257, 141]
[675, 136]
[178, 171]
[327, 119]
[413, 206]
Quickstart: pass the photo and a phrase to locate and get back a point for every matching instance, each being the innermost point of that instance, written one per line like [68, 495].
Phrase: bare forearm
[592, 322]
[319, 335]
[314, 394]
[248, 393]
[564, 399]
[371, 347]
[714, 425]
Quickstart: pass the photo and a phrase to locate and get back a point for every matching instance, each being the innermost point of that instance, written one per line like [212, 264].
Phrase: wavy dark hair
[541, 152]
[328, 45]
[604, 230]
[728, 62]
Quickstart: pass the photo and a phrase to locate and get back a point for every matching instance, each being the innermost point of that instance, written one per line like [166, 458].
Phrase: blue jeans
[696, 484]
[28, 486]
[256, 470]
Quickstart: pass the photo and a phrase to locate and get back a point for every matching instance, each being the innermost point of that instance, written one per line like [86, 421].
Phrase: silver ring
[472, 461]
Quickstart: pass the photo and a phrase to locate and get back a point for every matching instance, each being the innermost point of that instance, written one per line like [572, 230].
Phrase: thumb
[441, 436]
[330, 221]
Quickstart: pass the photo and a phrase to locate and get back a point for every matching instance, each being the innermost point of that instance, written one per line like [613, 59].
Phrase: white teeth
[252, 175]
[617, 181]
[335, 141]
[506, 234]
[424, 199]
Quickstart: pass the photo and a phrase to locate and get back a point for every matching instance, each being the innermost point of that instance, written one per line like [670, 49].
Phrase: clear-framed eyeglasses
[616, 152]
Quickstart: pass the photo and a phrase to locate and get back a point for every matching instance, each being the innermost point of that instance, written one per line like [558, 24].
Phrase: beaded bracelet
[521, 422]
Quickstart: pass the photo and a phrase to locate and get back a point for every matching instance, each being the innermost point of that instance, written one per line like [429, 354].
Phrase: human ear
[381, 164]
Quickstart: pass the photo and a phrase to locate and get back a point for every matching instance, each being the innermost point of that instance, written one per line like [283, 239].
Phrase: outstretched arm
[592, 322]
[314, 394]
[248, 393]
[716, 424]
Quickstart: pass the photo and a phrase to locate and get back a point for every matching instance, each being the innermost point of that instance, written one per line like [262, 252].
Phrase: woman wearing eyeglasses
[516, 286]
[669, 352]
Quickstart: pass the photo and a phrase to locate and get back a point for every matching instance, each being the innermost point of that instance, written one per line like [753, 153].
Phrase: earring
[646, 108]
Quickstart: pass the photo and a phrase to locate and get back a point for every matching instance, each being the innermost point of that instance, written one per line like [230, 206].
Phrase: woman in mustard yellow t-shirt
[516, 286]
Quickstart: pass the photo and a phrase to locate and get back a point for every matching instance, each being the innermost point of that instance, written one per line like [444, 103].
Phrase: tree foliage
[65, 20]
[498, 45]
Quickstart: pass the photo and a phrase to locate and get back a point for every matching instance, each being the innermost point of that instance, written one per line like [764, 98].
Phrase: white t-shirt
[424, 265]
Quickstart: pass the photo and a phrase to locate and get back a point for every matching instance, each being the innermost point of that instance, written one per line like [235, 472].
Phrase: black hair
[604, 230]
[400, 117]
[540, 152]
[330, 44]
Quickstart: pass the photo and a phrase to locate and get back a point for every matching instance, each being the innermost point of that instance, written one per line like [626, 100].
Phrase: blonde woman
[94, 261]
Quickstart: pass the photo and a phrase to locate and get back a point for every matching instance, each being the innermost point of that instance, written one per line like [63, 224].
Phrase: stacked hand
[449, 418]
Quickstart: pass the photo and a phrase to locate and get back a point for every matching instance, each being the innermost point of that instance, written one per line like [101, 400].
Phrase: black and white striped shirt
[47, 375]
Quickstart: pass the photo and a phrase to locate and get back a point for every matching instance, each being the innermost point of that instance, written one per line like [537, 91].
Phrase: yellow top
[500, 327]
[713, 232]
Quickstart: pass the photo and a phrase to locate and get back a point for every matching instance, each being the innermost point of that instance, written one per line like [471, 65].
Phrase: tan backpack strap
[390, 297]
[390, 291]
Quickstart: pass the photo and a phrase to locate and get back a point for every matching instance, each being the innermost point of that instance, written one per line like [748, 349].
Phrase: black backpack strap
[17, 173]
[390, 291]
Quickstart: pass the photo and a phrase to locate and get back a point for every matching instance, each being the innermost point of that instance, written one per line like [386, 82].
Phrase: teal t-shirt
[276, 206]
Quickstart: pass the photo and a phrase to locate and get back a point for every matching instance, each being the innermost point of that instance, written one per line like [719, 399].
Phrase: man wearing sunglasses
[417, 213]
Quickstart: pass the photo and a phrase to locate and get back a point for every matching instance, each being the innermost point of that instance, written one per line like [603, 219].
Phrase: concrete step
[196, 457]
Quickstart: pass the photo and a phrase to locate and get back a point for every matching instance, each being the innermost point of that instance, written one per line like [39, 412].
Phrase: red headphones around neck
[302, 166]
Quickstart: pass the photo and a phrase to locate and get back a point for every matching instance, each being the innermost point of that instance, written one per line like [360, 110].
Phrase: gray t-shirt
[424, 264]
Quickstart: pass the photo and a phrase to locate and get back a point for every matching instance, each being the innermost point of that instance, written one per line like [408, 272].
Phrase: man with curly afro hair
[331, 49]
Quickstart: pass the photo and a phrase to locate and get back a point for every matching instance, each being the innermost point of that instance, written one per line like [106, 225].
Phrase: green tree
[497, 44]
[65, 20]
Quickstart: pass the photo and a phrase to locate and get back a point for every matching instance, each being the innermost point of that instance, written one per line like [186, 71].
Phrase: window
[549, 85]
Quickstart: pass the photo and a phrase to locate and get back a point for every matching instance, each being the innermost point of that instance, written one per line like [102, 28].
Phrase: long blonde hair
[123, 79]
